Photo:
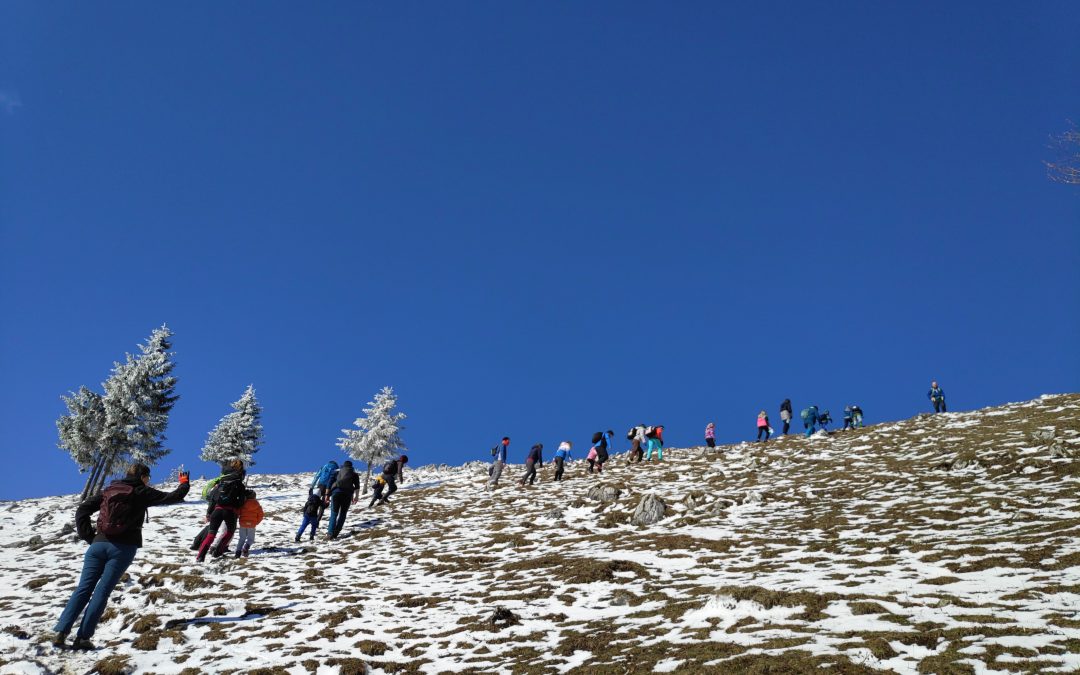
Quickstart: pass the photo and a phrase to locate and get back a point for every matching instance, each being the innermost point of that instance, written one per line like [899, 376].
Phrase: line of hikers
[339, 488]
[645, 441]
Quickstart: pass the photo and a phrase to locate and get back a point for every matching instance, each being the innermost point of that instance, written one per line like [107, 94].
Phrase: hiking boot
[59, 640]
[239, 553]
[83, 644]
[297, 538]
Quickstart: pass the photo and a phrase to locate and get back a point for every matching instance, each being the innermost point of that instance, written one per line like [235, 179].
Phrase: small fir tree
[238, 435]
[128, 423]
[378, 437]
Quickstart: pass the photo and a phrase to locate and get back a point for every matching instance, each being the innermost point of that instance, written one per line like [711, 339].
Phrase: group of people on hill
[645, 441]
[339, 488]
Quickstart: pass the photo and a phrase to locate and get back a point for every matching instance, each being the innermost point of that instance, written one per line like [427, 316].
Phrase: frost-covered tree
[80, 431]
[238, 435]
[378, 437]
[133, 414]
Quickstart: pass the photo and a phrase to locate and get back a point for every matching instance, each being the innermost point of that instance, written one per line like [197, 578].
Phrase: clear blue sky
[537, 219]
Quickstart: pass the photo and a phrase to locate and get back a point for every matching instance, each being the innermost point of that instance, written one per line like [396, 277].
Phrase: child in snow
[312, 509]
[763, 425]
[710, 435]
[376, 490]
[561, 455]
[251, 514]
[591, 458]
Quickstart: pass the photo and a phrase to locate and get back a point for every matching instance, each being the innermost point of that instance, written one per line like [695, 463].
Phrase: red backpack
[118, 513]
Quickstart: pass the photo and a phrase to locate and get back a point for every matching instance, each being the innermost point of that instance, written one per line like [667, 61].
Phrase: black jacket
[144, 496]
[347, 481]
[786, 405]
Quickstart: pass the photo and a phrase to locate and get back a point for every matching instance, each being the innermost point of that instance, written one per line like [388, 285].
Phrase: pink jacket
[592, 453]
[710, 432]
[763, 421]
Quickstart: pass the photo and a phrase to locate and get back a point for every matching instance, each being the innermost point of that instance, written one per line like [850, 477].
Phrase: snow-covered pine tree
[238, 435]
[378, 437]
[138, 397]
[80, 429]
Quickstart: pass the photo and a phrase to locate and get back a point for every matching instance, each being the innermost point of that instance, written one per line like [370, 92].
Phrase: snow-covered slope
[946, 543]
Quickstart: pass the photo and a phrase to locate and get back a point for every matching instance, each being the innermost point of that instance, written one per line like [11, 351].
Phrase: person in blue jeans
[121, 509]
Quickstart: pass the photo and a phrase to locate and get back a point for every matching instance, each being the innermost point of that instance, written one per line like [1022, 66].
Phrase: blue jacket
[534, 455]
[326, 475]
[935, 392]
[811, 415]
[500, 453]
[563, 453]
[606, 440]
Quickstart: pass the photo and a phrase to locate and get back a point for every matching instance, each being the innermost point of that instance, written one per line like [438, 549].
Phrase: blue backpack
[326, 473]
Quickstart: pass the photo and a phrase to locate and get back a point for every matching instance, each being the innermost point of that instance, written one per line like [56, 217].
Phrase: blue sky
[536, 219]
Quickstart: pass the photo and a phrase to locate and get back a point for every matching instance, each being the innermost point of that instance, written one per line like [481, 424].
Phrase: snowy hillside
[940, 544]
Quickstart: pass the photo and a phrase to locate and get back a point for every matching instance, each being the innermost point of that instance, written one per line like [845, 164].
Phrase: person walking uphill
[809, 419]
[785, 414]
[763, 425]
[710, 435]
[654, 441]
[937, 397]
[533, 460]
[343, 493]
[251, 514]
[121, 510]
[499, 461]
[224, 505]
[561, 455]
[603, 443]
[391, 472]
[312, 508]
[322, 482]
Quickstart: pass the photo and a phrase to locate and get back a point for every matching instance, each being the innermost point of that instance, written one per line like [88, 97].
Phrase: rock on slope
[941, 544]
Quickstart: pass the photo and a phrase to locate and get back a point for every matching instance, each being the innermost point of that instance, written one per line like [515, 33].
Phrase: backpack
[495, 451]
[630, 434]
[805, 414]
[390, 468]
[311, 508]
[209, 487]
[597, 436]
[346, 478]
[230, 491]
[323, 477]
[119, 513]
[650, 432]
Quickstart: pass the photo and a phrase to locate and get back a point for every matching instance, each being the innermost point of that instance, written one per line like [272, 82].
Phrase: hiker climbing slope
[344, 491]
[121, 510]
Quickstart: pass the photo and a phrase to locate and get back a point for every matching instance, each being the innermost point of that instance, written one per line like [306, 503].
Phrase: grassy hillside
[940, 544]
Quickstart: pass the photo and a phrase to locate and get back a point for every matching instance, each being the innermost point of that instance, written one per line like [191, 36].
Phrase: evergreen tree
[238, 435]
[80, 431]
[378, 437]
[127, 424]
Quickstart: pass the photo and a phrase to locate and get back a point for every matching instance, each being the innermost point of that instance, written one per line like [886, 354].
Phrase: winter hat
[404, 459]
[347, 463]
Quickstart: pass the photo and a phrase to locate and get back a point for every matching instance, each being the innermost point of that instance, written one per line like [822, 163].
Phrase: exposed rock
[1043, 435]
[555, 514]
[502, 618]
[694, 500]
[35, 542]
[721, 505]
[1059, 449]
[68, 528]
[650, 509]
[752, 497]
[604, 493]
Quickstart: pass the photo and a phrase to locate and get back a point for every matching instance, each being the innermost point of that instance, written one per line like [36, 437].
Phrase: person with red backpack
[223, 506]
[121, 510]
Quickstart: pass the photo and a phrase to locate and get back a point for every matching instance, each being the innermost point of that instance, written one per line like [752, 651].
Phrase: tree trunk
[367, 481]
[103, 476]
[92, 478]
